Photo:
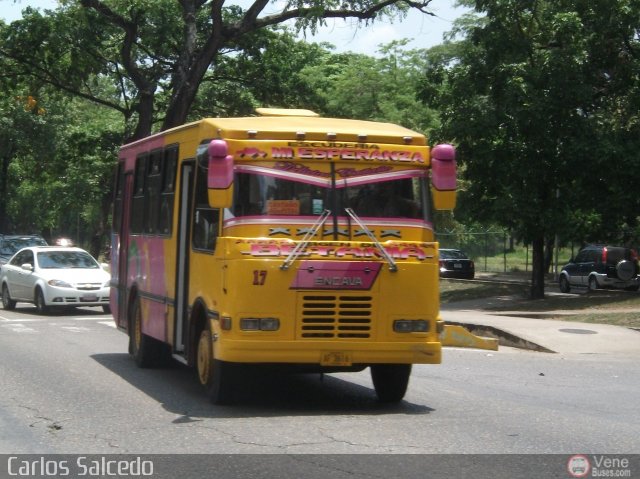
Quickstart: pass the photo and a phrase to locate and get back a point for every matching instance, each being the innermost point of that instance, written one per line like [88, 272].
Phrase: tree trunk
[537, 272]
[548, 255]
[4, 190]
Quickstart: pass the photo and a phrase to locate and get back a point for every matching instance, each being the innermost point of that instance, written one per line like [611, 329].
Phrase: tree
[353, 85]
[24, 132]
[537, 97]
[158, 53]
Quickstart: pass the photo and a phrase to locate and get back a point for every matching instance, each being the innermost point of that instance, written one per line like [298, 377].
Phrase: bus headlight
[410, 326]
[259, 324]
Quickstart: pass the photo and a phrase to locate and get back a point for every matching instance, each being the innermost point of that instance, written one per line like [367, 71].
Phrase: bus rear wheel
[146, 351]
[214, 375]
[390, 381]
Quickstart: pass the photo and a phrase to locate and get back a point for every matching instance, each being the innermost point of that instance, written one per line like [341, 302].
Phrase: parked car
[51, 276]
[601, 266]
[455, 264]
[10, 244]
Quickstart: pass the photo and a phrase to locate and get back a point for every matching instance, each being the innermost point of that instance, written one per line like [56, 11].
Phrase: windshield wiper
[393, 267]
[302, 245]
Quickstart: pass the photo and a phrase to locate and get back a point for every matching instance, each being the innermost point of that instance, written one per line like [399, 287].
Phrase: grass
[620, 308]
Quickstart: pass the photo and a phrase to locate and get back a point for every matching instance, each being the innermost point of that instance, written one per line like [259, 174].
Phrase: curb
[504, 338]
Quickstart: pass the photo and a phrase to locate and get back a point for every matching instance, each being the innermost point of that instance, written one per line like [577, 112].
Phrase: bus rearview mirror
[220, 175]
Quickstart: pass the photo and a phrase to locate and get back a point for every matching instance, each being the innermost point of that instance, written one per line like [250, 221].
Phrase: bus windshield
[263, 194]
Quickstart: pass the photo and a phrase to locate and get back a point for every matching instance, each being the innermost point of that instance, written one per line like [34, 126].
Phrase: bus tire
[146, 351]
[214, 375]
[390, 381]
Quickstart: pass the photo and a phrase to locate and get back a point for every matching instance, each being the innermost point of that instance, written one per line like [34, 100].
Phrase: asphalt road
[69, 387]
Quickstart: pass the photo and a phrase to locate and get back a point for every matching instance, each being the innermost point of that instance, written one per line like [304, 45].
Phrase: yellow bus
[282, 239]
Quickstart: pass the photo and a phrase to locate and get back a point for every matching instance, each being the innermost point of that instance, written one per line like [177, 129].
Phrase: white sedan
[49, 276]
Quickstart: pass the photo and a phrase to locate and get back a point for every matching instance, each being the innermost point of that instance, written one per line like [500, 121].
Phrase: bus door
[124, 238]
[182, 268]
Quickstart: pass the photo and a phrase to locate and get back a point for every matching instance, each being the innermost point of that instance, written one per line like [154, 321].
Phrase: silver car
[53, 276]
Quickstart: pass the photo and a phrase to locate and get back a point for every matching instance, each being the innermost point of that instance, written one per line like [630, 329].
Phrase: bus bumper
[328, 354]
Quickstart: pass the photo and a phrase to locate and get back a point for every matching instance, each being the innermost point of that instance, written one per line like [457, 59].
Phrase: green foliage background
[540, 97]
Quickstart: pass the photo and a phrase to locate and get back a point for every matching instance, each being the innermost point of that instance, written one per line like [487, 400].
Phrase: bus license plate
[335, 358]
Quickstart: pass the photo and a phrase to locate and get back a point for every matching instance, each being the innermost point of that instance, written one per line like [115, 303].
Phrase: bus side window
[206, 220]
[205, 228]
[153, 188]
[165, 218]
[138, 206]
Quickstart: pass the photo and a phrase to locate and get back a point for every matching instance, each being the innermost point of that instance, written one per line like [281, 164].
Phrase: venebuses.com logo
[579, 465]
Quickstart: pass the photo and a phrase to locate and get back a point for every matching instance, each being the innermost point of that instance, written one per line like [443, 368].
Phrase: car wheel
[7, 302]
[390, 381]
[593, 283]
[41, 305]
[565, 287]
[215, 375]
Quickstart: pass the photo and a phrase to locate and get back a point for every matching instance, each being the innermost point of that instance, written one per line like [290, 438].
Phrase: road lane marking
[75, 329]
[18, 328]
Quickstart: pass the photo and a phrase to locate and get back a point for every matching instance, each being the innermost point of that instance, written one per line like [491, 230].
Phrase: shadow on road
[56, 312]
[260, 393]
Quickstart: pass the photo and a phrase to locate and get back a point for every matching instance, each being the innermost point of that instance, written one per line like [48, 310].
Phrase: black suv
[599, 266]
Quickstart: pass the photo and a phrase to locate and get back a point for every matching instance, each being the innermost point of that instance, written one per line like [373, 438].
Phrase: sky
[422, 30]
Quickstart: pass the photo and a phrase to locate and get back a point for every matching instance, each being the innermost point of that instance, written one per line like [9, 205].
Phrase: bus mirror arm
[393, 267]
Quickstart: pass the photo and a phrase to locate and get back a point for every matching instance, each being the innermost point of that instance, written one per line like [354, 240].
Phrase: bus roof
[296, 125]
[310, 128]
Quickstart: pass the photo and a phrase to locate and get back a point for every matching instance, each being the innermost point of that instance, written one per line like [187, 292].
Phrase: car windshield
[66, 259]
[11, 245]
[452, 254]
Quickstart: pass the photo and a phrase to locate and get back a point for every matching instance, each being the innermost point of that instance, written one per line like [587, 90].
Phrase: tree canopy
[158, 53]
[541, 99]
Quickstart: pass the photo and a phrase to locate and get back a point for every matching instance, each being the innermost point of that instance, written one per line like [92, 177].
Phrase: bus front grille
[335, 316]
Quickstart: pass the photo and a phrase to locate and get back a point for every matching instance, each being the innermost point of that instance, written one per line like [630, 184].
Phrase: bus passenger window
[205, 229]
[138, 205]
[206, 220]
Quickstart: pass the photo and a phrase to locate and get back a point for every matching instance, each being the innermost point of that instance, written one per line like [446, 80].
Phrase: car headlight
[58, 283]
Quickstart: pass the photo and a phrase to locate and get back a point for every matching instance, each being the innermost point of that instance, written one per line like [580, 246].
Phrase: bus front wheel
[390, 381]
[214, 375]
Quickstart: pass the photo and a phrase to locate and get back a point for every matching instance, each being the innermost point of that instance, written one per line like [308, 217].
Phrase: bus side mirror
[443, 177]
[220, 176]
